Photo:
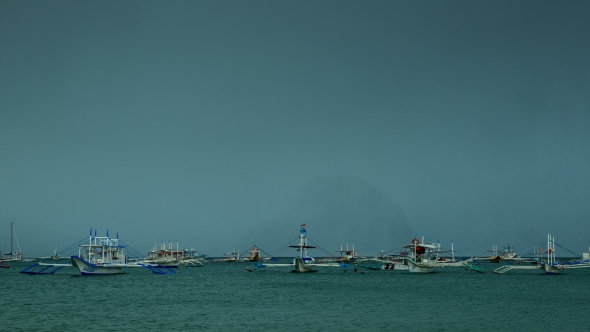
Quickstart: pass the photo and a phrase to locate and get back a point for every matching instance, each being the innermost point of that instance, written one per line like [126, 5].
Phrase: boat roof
[425, 245]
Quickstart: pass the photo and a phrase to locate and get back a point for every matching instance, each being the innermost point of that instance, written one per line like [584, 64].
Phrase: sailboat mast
[11, 235]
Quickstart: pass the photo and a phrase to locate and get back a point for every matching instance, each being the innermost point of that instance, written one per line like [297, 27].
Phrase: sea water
[226, 297]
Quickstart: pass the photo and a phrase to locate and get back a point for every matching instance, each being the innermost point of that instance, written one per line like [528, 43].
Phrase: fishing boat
[452, 261]
[348, 256]
[303, 263]
[253, 254]
[165, 255]
[383, 261]
[192, 258]
[232, 256]
[507, 254]
[420, 259]
[551, 265]
[101, 256]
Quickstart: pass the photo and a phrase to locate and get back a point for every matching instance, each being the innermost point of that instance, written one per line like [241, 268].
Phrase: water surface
[224, 296]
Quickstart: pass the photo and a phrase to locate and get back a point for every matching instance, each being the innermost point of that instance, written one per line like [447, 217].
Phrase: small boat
[192, 258]
[253, 254]
[164, 256]
[551, 265]
[507, 254]
[4, 265]
[232, 256]
[420, 259]
[303, 263]
[347, 256]
[14, 256]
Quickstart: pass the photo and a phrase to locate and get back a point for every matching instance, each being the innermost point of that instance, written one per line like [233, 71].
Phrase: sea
[229, 297]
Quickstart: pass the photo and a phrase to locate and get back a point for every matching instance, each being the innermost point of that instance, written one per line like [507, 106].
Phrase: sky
[196, 120]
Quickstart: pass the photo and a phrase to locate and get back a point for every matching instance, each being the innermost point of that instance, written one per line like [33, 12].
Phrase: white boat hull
[549, 269]
[301, 267]
[87, 268]
[414, 267]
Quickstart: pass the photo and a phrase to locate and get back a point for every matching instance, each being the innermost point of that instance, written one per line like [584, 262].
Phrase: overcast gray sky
[193, 120]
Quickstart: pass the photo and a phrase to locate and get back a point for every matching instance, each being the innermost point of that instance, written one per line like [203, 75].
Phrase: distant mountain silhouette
[344, 209]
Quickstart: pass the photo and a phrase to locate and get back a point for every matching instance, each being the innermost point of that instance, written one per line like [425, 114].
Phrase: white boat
[348, 256]
[231, 256]
[303, 263]
[452, 261]
[420, 259]
[551, 265]
[164, 256]
[253, 254]
[382, 262]
[101, 256]
[507, 254]
[13, 256]
[192, 258]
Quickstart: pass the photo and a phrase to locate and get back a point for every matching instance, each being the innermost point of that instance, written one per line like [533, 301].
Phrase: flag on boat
[302, 230]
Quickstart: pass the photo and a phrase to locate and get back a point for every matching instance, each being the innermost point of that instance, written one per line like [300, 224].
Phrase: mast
[11, 234]
[548, 250]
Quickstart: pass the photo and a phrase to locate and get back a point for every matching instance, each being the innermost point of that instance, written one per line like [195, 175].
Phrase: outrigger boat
[551, 265]
[164, 256]
[302, 263]
[192, 258]
[253, 254]
[507, 254]
[99, 255]
[419, 261]
[347, 256]
[443, 261]
[232, 256]
[102, 255]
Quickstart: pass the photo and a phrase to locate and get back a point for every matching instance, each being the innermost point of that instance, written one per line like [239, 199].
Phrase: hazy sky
[191, 120]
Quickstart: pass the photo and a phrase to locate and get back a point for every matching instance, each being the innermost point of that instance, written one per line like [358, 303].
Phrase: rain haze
[220, 124]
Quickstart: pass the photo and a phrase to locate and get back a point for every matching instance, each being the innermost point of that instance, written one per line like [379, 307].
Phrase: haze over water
[223, 124]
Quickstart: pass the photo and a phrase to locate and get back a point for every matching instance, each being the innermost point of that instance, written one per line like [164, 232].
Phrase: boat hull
[87, 268]
[414, 267]
[550, 270]
[301, 267]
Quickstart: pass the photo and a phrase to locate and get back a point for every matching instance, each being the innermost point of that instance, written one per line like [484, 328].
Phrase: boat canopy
[425, 245]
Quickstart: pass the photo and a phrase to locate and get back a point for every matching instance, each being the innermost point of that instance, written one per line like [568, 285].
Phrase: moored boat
[101, 256]
[13, 256]
[420, 259]
[303, 263]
